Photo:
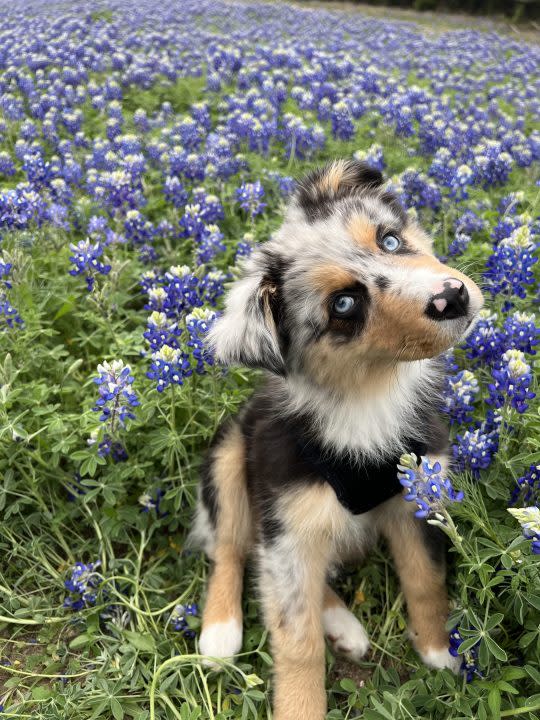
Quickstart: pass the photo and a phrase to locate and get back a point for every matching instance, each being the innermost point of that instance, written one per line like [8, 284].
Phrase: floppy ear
[247, 333]
[334, 181]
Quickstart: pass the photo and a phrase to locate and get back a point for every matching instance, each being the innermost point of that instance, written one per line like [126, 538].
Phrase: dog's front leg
[292, 564]
[418, 551]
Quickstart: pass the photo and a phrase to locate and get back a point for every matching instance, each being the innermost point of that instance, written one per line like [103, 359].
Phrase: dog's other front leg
[418, 550]
[293, 562]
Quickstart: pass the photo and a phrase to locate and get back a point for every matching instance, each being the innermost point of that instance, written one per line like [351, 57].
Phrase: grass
[60, 503]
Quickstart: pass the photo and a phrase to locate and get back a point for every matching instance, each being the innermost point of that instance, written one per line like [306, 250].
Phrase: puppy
[347, 310]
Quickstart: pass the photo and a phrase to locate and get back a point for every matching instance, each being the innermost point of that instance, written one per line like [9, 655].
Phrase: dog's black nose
[450, 302]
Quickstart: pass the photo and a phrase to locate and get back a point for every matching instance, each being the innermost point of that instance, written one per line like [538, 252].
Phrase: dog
[348, 311]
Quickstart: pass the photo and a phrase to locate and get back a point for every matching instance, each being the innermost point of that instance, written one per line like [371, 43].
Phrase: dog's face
[349, 281]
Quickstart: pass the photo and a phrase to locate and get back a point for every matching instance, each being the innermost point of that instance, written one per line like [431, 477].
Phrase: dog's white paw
[345, 633]
[440, 659]
[220, 640]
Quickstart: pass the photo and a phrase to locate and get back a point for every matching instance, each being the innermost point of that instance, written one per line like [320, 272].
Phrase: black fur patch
[317, 204]
[435, 541]
[382, 283]
[352, 324]
[282, 453]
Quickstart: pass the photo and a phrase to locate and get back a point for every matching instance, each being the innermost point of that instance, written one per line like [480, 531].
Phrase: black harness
[359, 488]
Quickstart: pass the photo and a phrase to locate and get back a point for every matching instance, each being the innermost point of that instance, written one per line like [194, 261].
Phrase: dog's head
[349, 281]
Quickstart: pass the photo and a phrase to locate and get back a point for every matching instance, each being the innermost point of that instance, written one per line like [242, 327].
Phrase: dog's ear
[248, 332]
[334, 181]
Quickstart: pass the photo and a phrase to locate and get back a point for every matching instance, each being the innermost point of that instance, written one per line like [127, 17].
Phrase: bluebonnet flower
[509, 269]
[485, 342]
[459, 395]
[178, 619]
[210, 243]
[175, 192]
[161, 331]
[5, 271]
[527, 489]
[468, 223]
[474, 449]
[492, 164]
[469, 659]
[373, 156]
[116, 396]
[512, 381]
[250, 195]
[169, 366]
[521, 332]
[108, 447]
[342, 122]
[152, 502]
[82, 586]
[285, 183]
[212, 286]
[244, 247]
[198, 324]
[9, 317]
[459, 244]
[425, 485]
[510, 203]
[86, 258]
[7, 166]
[529, 519]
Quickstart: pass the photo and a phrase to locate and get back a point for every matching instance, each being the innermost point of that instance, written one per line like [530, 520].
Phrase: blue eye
[343, 304]
[391, 243]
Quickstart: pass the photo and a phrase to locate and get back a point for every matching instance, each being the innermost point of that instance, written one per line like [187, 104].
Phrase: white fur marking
[439, 659]
[345, 633]
[221, 640]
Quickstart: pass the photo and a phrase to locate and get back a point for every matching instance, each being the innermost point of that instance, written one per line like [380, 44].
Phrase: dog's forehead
[345, 236]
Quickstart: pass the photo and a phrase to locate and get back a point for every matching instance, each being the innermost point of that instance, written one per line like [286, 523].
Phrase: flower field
[144, 151]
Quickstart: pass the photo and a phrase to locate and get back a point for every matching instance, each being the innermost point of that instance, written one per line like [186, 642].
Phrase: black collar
[359, 488]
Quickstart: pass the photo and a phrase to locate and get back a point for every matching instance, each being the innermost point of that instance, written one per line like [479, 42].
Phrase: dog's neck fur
[372, 421]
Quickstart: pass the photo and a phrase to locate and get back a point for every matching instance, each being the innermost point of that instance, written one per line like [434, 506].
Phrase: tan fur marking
[363, 232]
[417, 238]
[297, 637]
[233, 532]
[313, 511]
[338, 174]
[329, 278]
[422, 582]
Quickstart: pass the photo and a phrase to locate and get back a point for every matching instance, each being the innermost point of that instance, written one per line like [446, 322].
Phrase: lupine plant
[144, 153]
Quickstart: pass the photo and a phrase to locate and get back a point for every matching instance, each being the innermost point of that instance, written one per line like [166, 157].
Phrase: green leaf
[141, 641]
[494, 649]
[494, 702]
[348, 685]
[81, 641]
[116, 709]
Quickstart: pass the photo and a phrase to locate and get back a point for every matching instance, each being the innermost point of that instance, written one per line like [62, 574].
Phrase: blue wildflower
[459, 396]
[198, 324]
[169, 366]
[82, 586]
[161, 331]
[509, 269]
[425, 485]
[512, 381]
[178, 619]
[521, 332]
[527, 489]
[474, 449]
[249, 196]
[86, 258]
[469, 659]
[485, 342]
[529, 519]
[116, 396]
